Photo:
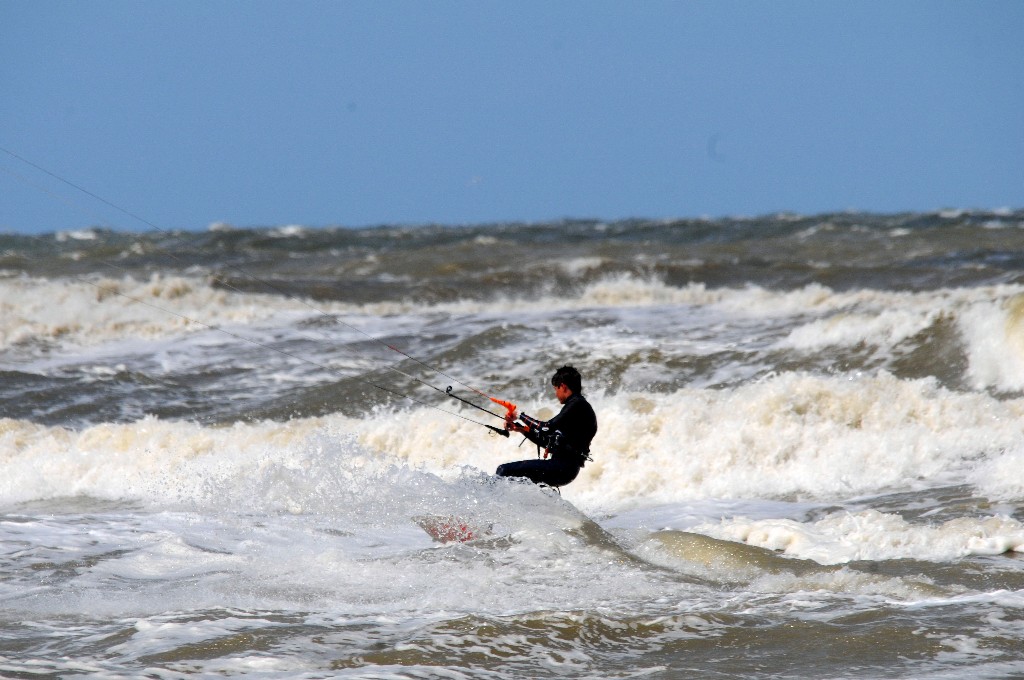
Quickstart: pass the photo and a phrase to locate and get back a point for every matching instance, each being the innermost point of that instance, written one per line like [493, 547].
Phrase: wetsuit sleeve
[538, 433]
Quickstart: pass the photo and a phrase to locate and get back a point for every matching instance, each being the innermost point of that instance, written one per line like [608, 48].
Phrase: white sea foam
[993, 331]
[989, 320]
[793, 434]
[580, 265]
[104, 310]
[289, 231]
[802, 435]
[872, 535]
[77, 235]
[89, 312]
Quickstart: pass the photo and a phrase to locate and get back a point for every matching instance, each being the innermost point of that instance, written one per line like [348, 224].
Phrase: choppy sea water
[214, 449]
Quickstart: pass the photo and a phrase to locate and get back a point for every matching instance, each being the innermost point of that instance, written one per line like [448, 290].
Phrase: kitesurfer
[565, 438]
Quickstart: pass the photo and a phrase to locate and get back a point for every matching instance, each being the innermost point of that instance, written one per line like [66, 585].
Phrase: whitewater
[214, 462]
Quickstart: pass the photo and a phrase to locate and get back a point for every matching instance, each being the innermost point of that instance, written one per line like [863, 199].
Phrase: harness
[557, 446]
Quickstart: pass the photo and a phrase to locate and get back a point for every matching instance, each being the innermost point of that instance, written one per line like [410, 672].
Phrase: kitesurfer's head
[568, 377]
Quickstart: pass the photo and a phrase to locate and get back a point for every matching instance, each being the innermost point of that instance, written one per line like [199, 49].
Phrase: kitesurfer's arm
[537, 431]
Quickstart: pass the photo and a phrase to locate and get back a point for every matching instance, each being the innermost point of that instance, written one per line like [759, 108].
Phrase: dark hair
[570, 377]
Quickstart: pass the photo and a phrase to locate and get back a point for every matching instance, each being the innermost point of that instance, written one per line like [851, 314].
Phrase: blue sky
[264, 113]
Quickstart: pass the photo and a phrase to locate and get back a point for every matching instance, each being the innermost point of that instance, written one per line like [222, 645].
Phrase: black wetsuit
[567, 439]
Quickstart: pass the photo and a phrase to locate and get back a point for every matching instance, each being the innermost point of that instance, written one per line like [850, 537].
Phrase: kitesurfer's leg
[548, 472]
[520, 468]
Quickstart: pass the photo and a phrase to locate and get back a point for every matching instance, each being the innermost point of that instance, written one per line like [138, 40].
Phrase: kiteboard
[452, 529]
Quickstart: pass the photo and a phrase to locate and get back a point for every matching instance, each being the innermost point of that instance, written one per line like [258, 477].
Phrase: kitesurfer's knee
[514, 469]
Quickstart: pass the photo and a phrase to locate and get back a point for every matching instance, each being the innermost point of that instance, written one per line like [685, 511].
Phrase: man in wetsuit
[565, 438]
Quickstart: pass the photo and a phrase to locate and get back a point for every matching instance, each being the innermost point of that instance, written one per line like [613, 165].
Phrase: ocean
[217, 449]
